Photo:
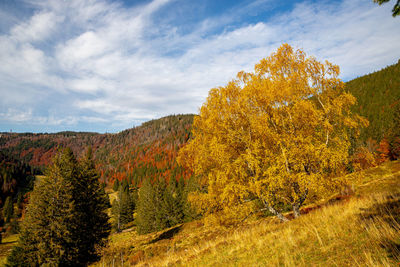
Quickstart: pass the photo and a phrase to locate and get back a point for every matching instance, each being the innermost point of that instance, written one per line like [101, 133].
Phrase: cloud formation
[105, 66]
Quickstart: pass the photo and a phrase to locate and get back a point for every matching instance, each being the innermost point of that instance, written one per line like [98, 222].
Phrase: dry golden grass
[359, 231]
[6, 246]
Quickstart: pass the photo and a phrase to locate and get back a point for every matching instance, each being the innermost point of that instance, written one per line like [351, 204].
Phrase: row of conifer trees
[156, 205]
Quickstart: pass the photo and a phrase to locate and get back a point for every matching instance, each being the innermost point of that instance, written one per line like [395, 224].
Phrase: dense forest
[378, 99]
[132, 154]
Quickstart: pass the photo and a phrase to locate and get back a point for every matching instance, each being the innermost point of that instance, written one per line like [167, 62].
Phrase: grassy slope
[358, 231]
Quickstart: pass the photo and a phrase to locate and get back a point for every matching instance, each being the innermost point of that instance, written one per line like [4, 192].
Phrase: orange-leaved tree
[279, 134]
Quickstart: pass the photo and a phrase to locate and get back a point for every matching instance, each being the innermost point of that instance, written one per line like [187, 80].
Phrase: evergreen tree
[90, 220]
[65, 221]
[161, 205]
[46, 238]
[127, 206]
[8, 209]
[394, 134]
[116, 215]
[123, 207]
[146, 209]
[173, 205]
[116, 185]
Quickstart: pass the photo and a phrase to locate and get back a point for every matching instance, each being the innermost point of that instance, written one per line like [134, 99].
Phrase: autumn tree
[279, 134]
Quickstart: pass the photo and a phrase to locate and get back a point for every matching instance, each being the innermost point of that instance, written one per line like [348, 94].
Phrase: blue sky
[105, 66]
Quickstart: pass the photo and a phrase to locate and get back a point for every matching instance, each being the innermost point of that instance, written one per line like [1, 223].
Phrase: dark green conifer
[146, 210]
[123, 207]
[90, 221]
[8, 209]
[65, 221]
[116, 185]
[161, 205]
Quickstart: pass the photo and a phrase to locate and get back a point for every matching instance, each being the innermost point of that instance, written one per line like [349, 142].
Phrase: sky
[106, 66]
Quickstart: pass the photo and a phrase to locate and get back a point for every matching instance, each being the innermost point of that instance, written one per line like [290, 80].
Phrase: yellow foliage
[276, 134]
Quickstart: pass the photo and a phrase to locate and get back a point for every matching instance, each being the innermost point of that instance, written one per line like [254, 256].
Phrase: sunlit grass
[6, 246]
[359, 231]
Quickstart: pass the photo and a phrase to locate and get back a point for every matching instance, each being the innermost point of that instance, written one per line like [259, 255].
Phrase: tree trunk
[275, 212]
[296, 210]
[296, 206]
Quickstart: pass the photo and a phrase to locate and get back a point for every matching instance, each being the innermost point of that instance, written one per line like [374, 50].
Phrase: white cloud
[101, 62]
[40, 27]
[15, 115]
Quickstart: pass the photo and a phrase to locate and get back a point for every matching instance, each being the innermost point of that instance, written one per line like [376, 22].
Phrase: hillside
[141, 151]
[366, 233]
[378, 99]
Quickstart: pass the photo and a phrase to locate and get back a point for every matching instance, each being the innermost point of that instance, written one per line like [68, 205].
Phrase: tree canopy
[278, 134]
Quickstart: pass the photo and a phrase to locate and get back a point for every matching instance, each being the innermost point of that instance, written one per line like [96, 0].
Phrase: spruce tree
[146, 209]
[161, 205]
[123, 207]
[90, 221]
[8, 209]
[116, 185]
[46, 237]
[65, 221]
[127, 205]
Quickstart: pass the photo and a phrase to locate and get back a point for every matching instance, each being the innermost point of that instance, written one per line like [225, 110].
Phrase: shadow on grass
[389, 212]
[167, 234]
[9, 242]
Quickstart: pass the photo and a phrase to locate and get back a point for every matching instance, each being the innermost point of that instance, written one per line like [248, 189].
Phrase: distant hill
[143, 151]
[378, 98]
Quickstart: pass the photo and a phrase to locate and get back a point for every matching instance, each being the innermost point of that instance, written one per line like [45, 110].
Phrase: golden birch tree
[278, 134]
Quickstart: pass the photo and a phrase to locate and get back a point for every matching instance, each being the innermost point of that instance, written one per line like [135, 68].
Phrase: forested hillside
[378, 99]
[147, 150]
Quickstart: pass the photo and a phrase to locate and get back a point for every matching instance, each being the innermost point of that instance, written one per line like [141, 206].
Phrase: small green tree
[146, 208]
[8, 209]
[116, 185]
[123, 207]
[161, 205]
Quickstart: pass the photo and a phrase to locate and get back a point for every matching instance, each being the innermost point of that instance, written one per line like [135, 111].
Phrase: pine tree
[161, 205]
[127, 206]
[65, 221]
[116, 185]
[146, 209]
[173, 205]
[46, 238]
[90, 220]
[8, 209]
[123, 207]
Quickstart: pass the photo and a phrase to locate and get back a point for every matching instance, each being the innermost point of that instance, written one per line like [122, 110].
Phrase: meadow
[360, 228]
